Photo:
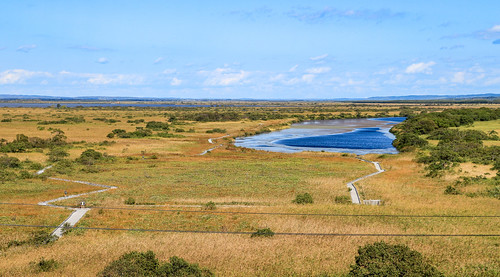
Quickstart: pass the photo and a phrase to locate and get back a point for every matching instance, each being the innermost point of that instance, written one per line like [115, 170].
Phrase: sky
[249, 49]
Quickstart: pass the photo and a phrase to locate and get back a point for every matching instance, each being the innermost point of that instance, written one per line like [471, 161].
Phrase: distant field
[171, 185]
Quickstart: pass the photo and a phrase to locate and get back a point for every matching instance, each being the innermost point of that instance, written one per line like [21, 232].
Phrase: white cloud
[293, 68]
[176, 82]
[278, 77]
[104, 79]
[318, 70]
[308, 78]
[19, 76]
[158, 60]
[169, 71]
[458, 77]
[317, 58]
[495, 29]
[493, 81]
[102, 60]
[425, 68]
[224, 77]
[26, 48]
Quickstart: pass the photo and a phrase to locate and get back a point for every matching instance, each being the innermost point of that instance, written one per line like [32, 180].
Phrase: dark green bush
[266, 232]
[209, 206]
[157, 126]
[130, 201]
[57, 154]
[9, 162]
[217, 130]
[46, 265]
[135, 264]
[382, 259]
[304, 198]
[178, 267]
[451, 190]
[89, 157]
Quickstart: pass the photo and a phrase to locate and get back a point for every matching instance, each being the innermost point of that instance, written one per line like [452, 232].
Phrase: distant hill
[485, 96]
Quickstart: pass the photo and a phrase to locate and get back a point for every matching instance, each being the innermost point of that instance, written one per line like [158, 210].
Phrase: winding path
[77, 213]
[352, 188]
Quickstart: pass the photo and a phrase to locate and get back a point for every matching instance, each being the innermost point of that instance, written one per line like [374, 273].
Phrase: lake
[358, 136]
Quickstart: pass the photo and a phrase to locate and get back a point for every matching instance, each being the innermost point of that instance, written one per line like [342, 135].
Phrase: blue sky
[249, 49]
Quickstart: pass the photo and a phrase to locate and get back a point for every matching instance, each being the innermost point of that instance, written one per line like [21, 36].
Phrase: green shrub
[217, 130]
[343, 199]
[209, 206]
[46, 265]
[63, 167]
[381, 259]
[6, 175]
[179, 267]
[57, 154]
[130, 201]
[157, 126]
[23, 174]
[133, 264]
[305, 198]
[266, 232]
[89, 157]
[146, 264]
[451, 190]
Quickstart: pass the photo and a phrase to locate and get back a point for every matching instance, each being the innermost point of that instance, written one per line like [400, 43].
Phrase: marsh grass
[239, 180]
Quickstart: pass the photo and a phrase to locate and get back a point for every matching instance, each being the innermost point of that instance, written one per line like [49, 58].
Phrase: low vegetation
[146, 264]
[162, 182]
[385, 260]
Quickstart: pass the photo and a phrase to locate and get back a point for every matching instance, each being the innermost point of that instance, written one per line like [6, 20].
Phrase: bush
[210, 206]
[63, 167]
[217, 130]
[46, 265]
[130, 201]
[305, 198]
[9, 162]
[23, 174]
[132, 264]
[57, 154]
[381, 259]
[266, 232]
[146, 264]
[451, 190]
[157, 126]
[179, 267]
[344, 199]
[89, 157]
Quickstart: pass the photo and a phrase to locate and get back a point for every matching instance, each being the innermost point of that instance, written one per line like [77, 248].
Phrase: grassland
[168, 174]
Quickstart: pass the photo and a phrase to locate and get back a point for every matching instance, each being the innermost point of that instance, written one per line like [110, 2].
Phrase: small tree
[382, 259]
[89, 157]
[57, 154]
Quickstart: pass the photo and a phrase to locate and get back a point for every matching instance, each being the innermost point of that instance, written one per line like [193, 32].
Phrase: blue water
[358, 136]
[363, 138]
[390, 119]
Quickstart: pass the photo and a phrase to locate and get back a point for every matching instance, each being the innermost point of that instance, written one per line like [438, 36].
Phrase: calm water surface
[359, 136]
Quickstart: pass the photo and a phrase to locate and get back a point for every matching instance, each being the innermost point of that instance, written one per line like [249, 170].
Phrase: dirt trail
[354, 192]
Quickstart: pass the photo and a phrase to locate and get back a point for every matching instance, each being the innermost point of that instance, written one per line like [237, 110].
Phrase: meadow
[232, 189]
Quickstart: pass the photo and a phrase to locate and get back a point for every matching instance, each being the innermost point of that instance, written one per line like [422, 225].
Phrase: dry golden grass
[237, 180]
